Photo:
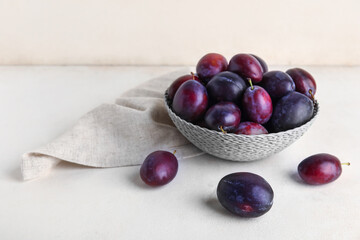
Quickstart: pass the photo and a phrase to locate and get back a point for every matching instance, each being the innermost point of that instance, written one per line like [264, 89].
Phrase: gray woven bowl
[238, 147]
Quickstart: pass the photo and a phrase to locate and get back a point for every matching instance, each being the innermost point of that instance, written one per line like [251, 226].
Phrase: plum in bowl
[238, 147]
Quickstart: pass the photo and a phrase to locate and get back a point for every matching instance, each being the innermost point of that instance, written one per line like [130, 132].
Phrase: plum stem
[174, 152]
[345, 163]
[250, 82]
[193, 75]
[311, 94]
[223, 131]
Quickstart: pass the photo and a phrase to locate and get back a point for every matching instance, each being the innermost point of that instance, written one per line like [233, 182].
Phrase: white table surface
[75, 202]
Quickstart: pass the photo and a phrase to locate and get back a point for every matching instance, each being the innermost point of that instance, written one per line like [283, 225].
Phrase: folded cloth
[116, 135]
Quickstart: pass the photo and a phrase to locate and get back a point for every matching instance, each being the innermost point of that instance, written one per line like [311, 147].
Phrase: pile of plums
[242, 96]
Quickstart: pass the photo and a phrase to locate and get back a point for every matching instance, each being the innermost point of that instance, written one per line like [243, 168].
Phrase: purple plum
[190, 101]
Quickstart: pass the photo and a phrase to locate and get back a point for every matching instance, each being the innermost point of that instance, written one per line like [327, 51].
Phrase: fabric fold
[116, 135]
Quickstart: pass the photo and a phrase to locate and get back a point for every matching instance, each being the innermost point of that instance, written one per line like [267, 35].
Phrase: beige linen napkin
[115, 135]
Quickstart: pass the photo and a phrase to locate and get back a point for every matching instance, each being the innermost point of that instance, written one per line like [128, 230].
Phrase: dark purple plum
[257, 104]
[225, 115]
[246, 66]
[245, 194]
[210, 65]
[177, 83]
[277, 84]
[320, 169]
[304, 82]
[291, 111]
[250, 128]
[190, 101]
[159, 168]
[226, 86]
[262, 63]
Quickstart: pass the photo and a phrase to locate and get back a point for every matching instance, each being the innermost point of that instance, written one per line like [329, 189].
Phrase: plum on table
[245, 194]
[320, 169]
[159, 168]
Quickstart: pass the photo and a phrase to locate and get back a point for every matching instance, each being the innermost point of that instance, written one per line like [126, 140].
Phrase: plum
[320, 169]
[223, 116]
[291, 111]
[262, 63]
[159, 168]
[257, 104]
[210, 65]
[245, 194]
[277, 84]
[190, 101]
[246, 66]
[304, 82]
[226, 86]
[250, 128]
[177, 83]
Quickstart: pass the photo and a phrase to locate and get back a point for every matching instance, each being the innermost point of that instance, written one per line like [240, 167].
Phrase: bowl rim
[242, 136]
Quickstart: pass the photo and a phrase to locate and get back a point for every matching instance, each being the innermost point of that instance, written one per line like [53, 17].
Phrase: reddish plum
[320, 169]
[190, 101]
[257, 104]
[277, 84]
[226, 86]
[177, 83]
[250, 128]
[291, 111]
[210, 65]
[262, 63]
[304, 82]
[246, 66]
[245, 194]
[223, 116]
[159, 168]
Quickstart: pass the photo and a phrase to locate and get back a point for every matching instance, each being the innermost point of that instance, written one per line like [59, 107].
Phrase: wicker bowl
[238, 147]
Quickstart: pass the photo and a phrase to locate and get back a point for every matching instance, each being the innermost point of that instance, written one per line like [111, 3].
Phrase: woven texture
[238, 147]
[116, 135]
